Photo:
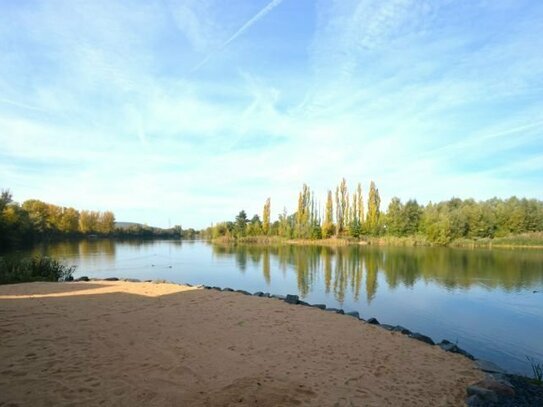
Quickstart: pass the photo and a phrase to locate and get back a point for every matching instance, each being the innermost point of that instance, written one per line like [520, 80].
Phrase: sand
[130, 344]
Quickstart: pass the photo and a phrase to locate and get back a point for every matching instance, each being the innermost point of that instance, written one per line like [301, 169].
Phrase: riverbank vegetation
[21, 270]
[347, 218]
[34, 220]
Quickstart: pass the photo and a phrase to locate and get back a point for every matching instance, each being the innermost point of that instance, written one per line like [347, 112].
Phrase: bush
[20, 270]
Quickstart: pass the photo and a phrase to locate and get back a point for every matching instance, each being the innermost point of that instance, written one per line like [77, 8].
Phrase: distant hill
[126, 225]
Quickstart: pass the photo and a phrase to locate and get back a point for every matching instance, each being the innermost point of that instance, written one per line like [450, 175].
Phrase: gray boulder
[111, 279]
[422, 338]
[320, 306]
[353, 314]
[453, 348]
[373, 321]
[292, 299]
[489, 367]
[402, 330]
[482, 393]
[83, 278]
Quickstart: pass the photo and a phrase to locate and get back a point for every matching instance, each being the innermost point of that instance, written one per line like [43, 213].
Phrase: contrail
[244, 27]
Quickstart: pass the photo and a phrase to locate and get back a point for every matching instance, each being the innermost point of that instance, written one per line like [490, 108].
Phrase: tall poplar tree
[360, 204]
[266, 217]
[342, 206]
[328, 224]
[374, 201]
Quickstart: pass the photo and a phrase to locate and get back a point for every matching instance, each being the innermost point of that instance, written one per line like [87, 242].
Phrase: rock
[373, 321]
[292, 299]
[227, 289]
[303, 303]
[243, 292]
[489, 367]
[474, 401]
[340, 311]
[69, 278]
[497, 387]
[336, 310]
[216, 288]
[258, 294]
[422, 338]
[320, 306]
[402, 330]
[387, 327]
[132, 280]
[83, 278]
[453, 348]
[482, 393]
[500, 378]
[277, 296]
[267, 295]
[111, 279]
[353, 314]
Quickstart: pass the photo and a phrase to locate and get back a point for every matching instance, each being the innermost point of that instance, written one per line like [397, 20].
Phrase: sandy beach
[129, 344]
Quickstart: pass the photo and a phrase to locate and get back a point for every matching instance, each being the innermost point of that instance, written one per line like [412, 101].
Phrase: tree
[394, 221]
[342, 204]
[266, 217]
[304, 213]
[374, 201]
[241, 223]
[106, 222]
[328, 224]
[69, 222]
[38, 213]
[88, 222]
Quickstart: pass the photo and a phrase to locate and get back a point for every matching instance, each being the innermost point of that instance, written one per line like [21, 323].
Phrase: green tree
[328, 224]
[266, 217]
[342, 204]
[241, 223]
[374, 201]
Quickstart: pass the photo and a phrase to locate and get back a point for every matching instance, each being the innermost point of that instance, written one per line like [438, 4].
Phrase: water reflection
[347, 268]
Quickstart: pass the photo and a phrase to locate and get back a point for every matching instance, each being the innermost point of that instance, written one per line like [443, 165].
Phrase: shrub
[20, 270]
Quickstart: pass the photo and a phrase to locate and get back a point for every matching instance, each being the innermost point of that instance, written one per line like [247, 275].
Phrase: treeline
[350, 215]
[35, 220]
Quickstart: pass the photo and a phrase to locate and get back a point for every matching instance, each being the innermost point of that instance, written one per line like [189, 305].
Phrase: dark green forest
[350, 215]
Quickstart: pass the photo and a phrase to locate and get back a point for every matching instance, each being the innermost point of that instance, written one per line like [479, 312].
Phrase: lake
[490, 302]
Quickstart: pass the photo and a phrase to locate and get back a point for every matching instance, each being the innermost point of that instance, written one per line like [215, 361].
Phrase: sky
[186, 111]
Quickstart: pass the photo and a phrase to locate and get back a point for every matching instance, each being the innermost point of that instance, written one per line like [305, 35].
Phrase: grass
[22, 270]
[523, 240]
[537, 370]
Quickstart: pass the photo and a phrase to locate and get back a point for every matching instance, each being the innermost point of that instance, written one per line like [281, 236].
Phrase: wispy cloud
[429, 100]
[261, 14]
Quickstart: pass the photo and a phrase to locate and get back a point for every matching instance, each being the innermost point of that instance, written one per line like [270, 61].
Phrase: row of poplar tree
[346, 215]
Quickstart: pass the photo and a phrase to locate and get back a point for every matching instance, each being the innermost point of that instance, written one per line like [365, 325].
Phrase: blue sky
[185, 112]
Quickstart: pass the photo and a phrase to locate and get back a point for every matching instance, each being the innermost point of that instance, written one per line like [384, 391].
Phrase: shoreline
[281, 346]
[384, 241]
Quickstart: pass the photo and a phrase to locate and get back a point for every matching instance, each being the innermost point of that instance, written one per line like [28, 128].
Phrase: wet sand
[129, 344]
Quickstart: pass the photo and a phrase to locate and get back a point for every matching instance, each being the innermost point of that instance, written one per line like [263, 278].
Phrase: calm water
[482, 299]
